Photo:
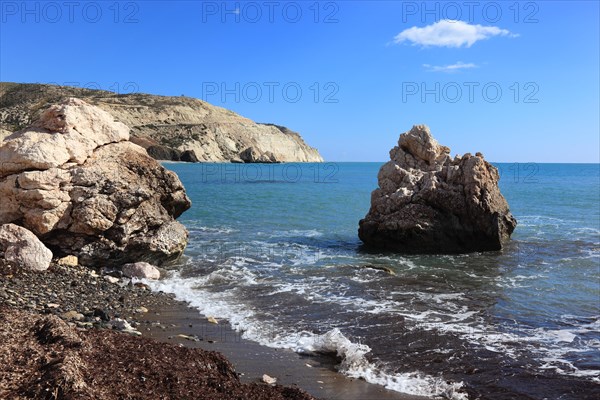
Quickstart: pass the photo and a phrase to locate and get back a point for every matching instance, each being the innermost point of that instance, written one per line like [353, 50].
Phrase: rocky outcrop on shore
[171, 128]
[75, 180]
[428, 202]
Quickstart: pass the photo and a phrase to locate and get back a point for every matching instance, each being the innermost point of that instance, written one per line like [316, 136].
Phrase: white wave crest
[354, 362]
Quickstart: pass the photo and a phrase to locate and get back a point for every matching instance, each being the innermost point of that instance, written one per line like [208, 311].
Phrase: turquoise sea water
[274, 249]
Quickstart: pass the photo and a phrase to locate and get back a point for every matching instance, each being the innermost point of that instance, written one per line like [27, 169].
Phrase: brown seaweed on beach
[42, 357]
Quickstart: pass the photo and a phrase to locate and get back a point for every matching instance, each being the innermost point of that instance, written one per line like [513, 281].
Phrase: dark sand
[253, 360]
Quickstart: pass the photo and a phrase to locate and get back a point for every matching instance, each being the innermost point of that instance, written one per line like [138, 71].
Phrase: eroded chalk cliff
[171, 128]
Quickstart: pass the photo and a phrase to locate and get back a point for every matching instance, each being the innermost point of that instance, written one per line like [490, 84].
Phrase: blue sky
[518, 81]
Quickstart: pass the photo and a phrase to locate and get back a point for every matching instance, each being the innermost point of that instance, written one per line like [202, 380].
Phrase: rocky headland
[169, 128]
[429, 202]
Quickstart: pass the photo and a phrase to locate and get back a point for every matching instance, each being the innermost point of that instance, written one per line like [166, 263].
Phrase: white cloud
[450, 68]
[449, 33]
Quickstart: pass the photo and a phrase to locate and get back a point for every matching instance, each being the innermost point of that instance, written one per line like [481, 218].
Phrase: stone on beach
[20, 248]
[124, 326]
[141, 270]
[73, 315]
[111, 279]
[74, 179]
[269, 380]
[69, 261]
[428, 202]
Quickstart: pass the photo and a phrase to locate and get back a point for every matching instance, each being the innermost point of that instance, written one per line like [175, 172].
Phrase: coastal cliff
[169, 128]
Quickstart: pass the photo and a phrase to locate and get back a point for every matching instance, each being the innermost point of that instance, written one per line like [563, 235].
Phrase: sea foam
[353, 356]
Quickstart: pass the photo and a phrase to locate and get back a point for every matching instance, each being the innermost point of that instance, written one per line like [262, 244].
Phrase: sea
[274, 250]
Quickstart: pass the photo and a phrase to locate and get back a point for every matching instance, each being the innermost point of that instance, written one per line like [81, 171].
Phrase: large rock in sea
[78, 183]
[428, 202]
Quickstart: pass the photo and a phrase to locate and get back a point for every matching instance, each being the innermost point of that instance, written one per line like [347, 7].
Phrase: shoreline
[91, 304]
[314, 374]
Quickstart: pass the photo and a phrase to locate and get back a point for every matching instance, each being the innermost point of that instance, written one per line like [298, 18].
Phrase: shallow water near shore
[274, 250]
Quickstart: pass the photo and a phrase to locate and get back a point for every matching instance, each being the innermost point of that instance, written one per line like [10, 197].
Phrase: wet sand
[253, 360]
